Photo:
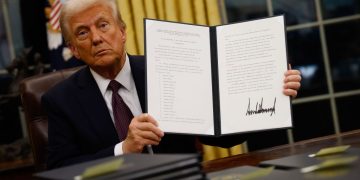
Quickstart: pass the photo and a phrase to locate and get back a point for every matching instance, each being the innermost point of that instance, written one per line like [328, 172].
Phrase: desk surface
[254, 158]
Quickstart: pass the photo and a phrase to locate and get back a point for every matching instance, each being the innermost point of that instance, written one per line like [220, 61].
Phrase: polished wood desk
[254, 158]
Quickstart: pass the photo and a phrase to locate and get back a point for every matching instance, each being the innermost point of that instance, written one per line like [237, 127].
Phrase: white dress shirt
[127, 92]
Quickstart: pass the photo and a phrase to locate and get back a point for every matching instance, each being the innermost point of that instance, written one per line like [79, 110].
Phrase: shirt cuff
[118, 149]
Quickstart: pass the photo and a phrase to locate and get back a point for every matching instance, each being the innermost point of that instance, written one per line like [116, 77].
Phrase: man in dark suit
[83, 123]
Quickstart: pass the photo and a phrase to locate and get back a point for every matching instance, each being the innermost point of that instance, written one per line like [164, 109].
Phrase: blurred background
[323, 40]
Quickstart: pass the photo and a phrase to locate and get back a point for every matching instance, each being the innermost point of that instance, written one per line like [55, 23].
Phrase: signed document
[217, 80]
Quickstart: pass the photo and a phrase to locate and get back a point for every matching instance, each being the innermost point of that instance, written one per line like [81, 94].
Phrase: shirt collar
[123, 77]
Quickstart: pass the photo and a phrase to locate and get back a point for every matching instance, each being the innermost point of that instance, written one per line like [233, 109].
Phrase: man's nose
[96, 37]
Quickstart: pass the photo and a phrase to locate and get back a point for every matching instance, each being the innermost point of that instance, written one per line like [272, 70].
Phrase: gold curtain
[204, 12]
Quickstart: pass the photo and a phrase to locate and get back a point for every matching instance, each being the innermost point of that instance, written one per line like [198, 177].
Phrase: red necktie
[121, 112]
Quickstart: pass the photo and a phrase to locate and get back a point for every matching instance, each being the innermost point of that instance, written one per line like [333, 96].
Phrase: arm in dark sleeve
[64, 144]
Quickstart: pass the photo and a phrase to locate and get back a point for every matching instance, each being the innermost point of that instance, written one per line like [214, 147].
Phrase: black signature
[259, 109]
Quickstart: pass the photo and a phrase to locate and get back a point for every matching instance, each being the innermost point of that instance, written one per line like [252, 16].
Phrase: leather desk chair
[31, 90]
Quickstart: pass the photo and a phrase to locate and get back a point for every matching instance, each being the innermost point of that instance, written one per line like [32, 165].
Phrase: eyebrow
[100, 17]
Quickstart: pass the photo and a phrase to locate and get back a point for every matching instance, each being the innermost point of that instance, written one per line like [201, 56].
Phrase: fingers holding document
[292, 82]
[143, 130]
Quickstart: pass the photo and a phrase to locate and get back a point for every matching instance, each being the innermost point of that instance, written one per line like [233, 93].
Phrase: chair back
[31, 90]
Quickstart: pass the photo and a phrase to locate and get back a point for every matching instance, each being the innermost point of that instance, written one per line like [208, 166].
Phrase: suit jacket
[81, 128]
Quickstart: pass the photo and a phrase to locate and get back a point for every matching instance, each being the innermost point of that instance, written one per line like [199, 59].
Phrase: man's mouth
[101, 52]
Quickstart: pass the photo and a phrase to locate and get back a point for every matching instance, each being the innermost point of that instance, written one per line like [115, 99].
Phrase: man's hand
[292, 82]
[142, 131]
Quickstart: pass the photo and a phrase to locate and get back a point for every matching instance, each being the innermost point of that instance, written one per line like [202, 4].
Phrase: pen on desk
[149, 149]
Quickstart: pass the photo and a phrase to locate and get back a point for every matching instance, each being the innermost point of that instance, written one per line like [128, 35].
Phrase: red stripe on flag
[55, 15]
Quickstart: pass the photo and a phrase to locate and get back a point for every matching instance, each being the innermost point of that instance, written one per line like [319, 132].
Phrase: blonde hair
[72, 7]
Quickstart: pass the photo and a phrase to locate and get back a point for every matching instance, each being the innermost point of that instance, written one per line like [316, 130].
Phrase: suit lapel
[93, 104]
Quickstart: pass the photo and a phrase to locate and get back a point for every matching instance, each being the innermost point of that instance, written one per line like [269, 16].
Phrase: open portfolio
[217, 80]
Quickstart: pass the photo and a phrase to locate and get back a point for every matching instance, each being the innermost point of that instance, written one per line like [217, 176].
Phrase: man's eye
[104, 26]
[82, 34]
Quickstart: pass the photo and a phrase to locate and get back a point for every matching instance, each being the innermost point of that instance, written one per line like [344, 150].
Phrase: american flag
[55, 15]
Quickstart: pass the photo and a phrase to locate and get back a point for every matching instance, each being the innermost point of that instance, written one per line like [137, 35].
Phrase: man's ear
[123, 38]
[74, 50]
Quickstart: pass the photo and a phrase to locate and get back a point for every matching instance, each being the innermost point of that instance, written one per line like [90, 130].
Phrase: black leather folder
[137, 166]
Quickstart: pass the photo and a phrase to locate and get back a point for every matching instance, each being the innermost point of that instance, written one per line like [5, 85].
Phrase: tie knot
[114, 86]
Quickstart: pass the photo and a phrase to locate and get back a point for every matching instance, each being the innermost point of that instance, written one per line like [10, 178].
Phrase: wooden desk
[254, 158]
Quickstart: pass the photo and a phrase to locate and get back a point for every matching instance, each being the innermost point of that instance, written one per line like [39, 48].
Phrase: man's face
[96, 38]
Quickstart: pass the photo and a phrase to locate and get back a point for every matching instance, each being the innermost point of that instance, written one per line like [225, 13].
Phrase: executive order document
[217, 80]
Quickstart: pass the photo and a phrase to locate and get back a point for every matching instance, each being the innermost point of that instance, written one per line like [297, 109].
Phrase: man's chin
[106, 61]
